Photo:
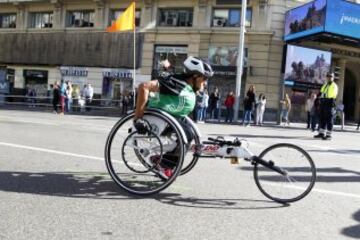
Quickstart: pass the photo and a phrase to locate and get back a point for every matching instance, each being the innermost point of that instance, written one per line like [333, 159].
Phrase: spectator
[260, 109]
[68, 100]
[199, 106]
[62, 96]
[308, 106]
[56, 96]
[49, 93]
[88, 94]
[125, 103]
[249, 104]
[205, 104]
[214, 101]
[285, 109]
[229, 104]
[32, 95]
[314, 112]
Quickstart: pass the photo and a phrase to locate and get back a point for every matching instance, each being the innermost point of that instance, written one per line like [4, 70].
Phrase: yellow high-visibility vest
[329, 90]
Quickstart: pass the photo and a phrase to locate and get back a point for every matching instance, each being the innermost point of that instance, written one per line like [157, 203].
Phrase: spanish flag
[125, 22]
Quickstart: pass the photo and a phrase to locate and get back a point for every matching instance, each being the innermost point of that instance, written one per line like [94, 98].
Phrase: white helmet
[195, 65]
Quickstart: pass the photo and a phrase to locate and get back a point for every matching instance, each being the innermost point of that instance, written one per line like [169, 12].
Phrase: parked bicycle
[283, 172]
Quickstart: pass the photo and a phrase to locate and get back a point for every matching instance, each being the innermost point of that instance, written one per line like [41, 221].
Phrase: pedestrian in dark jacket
[56, 97]
[249, 104]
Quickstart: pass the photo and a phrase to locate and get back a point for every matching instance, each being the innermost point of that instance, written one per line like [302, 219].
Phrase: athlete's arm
[143, 95]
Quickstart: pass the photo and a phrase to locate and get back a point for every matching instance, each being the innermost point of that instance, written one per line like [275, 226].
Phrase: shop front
[117, 84]
[36, 80]
[322, 36]
[78, 76]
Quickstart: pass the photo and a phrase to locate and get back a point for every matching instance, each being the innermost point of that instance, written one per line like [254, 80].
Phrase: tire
[191, 159]
[119, 156]
[299, 167]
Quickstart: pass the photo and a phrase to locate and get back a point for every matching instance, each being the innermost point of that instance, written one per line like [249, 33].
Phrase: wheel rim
[298, 181]
[144, 180]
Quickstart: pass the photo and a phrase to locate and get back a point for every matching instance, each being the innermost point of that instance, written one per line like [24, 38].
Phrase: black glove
[141, 126]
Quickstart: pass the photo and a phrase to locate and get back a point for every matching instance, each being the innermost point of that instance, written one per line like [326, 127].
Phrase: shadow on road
[339, 151]
[219, 203]
[353, 231]
[93, 185]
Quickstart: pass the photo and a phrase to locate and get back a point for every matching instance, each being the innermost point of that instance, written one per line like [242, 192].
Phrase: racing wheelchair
[283, 172]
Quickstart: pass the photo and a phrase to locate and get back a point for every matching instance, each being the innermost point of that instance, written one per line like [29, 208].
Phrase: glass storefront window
[230, 17]
[8, 20]
[116, 13]
[41, 20]
[176, 17]
[81, 19]
[176, 55]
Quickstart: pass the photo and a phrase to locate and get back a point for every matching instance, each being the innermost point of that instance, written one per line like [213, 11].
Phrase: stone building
[42, 41]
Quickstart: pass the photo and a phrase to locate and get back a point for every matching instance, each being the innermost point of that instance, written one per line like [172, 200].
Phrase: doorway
[349, 98]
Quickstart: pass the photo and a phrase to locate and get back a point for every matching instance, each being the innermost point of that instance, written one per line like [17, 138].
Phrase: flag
[126, 21]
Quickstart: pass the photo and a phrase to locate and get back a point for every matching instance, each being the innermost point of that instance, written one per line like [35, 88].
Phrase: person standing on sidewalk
[328, 96]
[62, 96]
[56, 96]
[249, 105]
[260, 109]
[214, 104]
[206, 104]
[308, 106]
[285, 109]
[229, 104]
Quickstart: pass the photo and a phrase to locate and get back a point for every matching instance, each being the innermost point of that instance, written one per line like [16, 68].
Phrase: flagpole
[134, 74]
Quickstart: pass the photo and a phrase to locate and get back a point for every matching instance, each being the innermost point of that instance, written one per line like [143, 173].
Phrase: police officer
[328, 96]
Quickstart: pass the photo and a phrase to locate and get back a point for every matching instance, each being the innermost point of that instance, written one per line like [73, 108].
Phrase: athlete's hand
[141, 126]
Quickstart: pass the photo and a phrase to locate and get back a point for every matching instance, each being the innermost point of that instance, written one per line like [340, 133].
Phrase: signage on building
[225, 70]
[117, 73]
[171, 49]
[35, 74]
[74, 71]
[346, 52]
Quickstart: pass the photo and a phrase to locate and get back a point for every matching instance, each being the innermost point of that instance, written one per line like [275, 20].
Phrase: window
[81, 19]
[41, 20]
[8, 20]
[176, 17]
[230, 17]
[176, 55]
[116, 13]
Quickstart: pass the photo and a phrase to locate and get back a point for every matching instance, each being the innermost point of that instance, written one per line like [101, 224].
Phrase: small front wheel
[298, 173]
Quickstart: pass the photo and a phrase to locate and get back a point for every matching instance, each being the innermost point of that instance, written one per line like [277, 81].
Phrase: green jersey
[175, 97]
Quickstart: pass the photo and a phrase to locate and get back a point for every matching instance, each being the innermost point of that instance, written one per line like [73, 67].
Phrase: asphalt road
[54, 185]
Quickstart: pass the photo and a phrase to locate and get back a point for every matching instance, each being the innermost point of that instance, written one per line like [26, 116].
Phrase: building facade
[48, 40]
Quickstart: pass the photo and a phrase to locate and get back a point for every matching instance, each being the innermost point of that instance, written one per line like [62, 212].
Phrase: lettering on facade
[346, 52]
[117, 73]
[74, 71]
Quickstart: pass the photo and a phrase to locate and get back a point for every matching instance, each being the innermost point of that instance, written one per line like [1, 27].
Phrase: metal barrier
[77, 105]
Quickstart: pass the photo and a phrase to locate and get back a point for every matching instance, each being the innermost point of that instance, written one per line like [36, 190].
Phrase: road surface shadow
[353, 231]
[339, 151]
[218, 203]
[94, 185]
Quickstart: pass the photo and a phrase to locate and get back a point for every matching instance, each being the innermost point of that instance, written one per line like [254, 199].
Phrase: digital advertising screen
[343, 18]
[306, 67]
[305, 20]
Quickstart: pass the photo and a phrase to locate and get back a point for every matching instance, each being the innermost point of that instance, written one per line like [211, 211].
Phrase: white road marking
[50, 151]
[178, 187]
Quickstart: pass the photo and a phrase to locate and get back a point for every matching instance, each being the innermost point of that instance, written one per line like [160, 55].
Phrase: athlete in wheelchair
[148, 148]
[176, 96]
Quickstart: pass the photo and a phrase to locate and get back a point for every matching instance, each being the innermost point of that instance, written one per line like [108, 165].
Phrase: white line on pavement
[50, 151]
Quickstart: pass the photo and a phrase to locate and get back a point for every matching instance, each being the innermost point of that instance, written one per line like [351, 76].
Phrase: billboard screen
[343, 18]
[306, 67]
[305, 20]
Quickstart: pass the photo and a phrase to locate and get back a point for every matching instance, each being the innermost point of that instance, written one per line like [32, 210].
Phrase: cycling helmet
[194, 65]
